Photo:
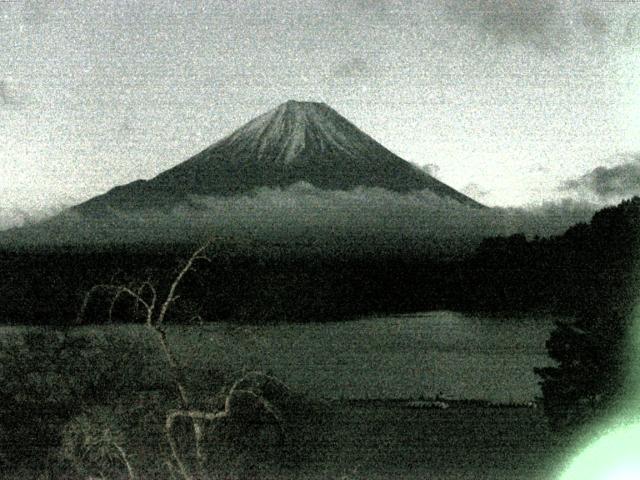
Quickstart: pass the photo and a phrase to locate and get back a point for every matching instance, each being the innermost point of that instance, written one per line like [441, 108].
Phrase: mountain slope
[295, 142]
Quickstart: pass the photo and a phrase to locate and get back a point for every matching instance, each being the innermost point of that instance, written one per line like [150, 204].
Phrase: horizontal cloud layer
[609, 182]
[15, 217]
[359, 220]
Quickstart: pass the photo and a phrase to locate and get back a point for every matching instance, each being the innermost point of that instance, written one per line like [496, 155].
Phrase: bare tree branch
[259, 374]
[125, 460]
[197, 255]
[214, 417]
[145, 294]
[171, 468]
[154, 296]
[118, 289]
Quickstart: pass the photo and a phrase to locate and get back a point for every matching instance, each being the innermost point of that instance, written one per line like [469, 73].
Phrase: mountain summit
[295, 142]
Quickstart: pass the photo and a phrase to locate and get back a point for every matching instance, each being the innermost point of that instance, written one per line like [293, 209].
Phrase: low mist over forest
[361, 219]
[401, 263]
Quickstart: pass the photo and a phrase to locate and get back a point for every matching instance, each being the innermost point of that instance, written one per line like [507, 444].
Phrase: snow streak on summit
[295, 142]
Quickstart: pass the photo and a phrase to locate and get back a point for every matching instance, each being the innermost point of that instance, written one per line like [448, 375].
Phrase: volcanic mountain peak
[295, 142]
[283, 133]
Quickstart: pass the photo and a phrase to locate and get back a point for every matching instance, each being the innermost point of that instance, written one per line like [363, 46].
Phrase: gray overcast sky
[505, 99]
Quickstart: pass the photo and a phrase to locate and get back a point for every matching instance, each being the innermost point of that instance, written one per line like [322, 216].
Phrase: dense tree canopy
[592, 351]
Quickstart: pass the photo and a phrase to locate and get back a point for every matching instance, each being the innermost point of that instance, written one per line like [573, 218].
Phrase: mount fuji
[299, 173]
[295, 142]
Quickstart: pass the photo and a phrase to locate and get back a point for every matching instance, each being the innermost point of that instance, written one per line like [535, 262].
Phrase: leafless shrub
[95, 445]
[248, 390]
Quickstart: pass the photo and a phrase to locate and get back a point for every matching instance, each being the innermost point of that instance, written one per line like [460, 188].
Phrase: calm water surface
[460, 356]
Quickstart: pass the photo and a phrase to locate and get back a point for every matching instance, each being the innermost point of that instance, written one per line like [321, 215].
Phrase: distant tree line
[588, 268]
[278, 284]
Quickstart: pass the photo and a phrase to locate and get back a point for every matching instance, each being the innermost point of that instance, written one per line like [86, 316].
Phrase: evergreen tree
[591, 351]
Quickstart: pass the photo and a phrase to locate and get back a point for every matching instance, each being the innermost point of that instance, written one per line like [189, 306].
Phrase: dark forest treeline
[591, 267]
[595, 352]
[585, 268]
[45, 287]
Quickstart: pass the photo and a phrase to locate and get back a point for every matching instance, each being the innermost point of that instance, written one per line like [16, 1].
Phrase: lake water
[460, 356]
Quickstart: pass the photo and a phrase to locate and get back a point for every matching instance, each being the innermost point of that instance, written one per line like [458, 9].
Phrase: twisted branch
[154, 321]
[171, 296]
[155, 324]
[202, 416]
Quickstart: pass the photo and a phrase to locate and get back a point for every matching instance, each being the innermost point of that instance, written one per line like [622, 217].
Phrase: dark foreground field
[377, 441]
[120, 369]
[389, 441]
